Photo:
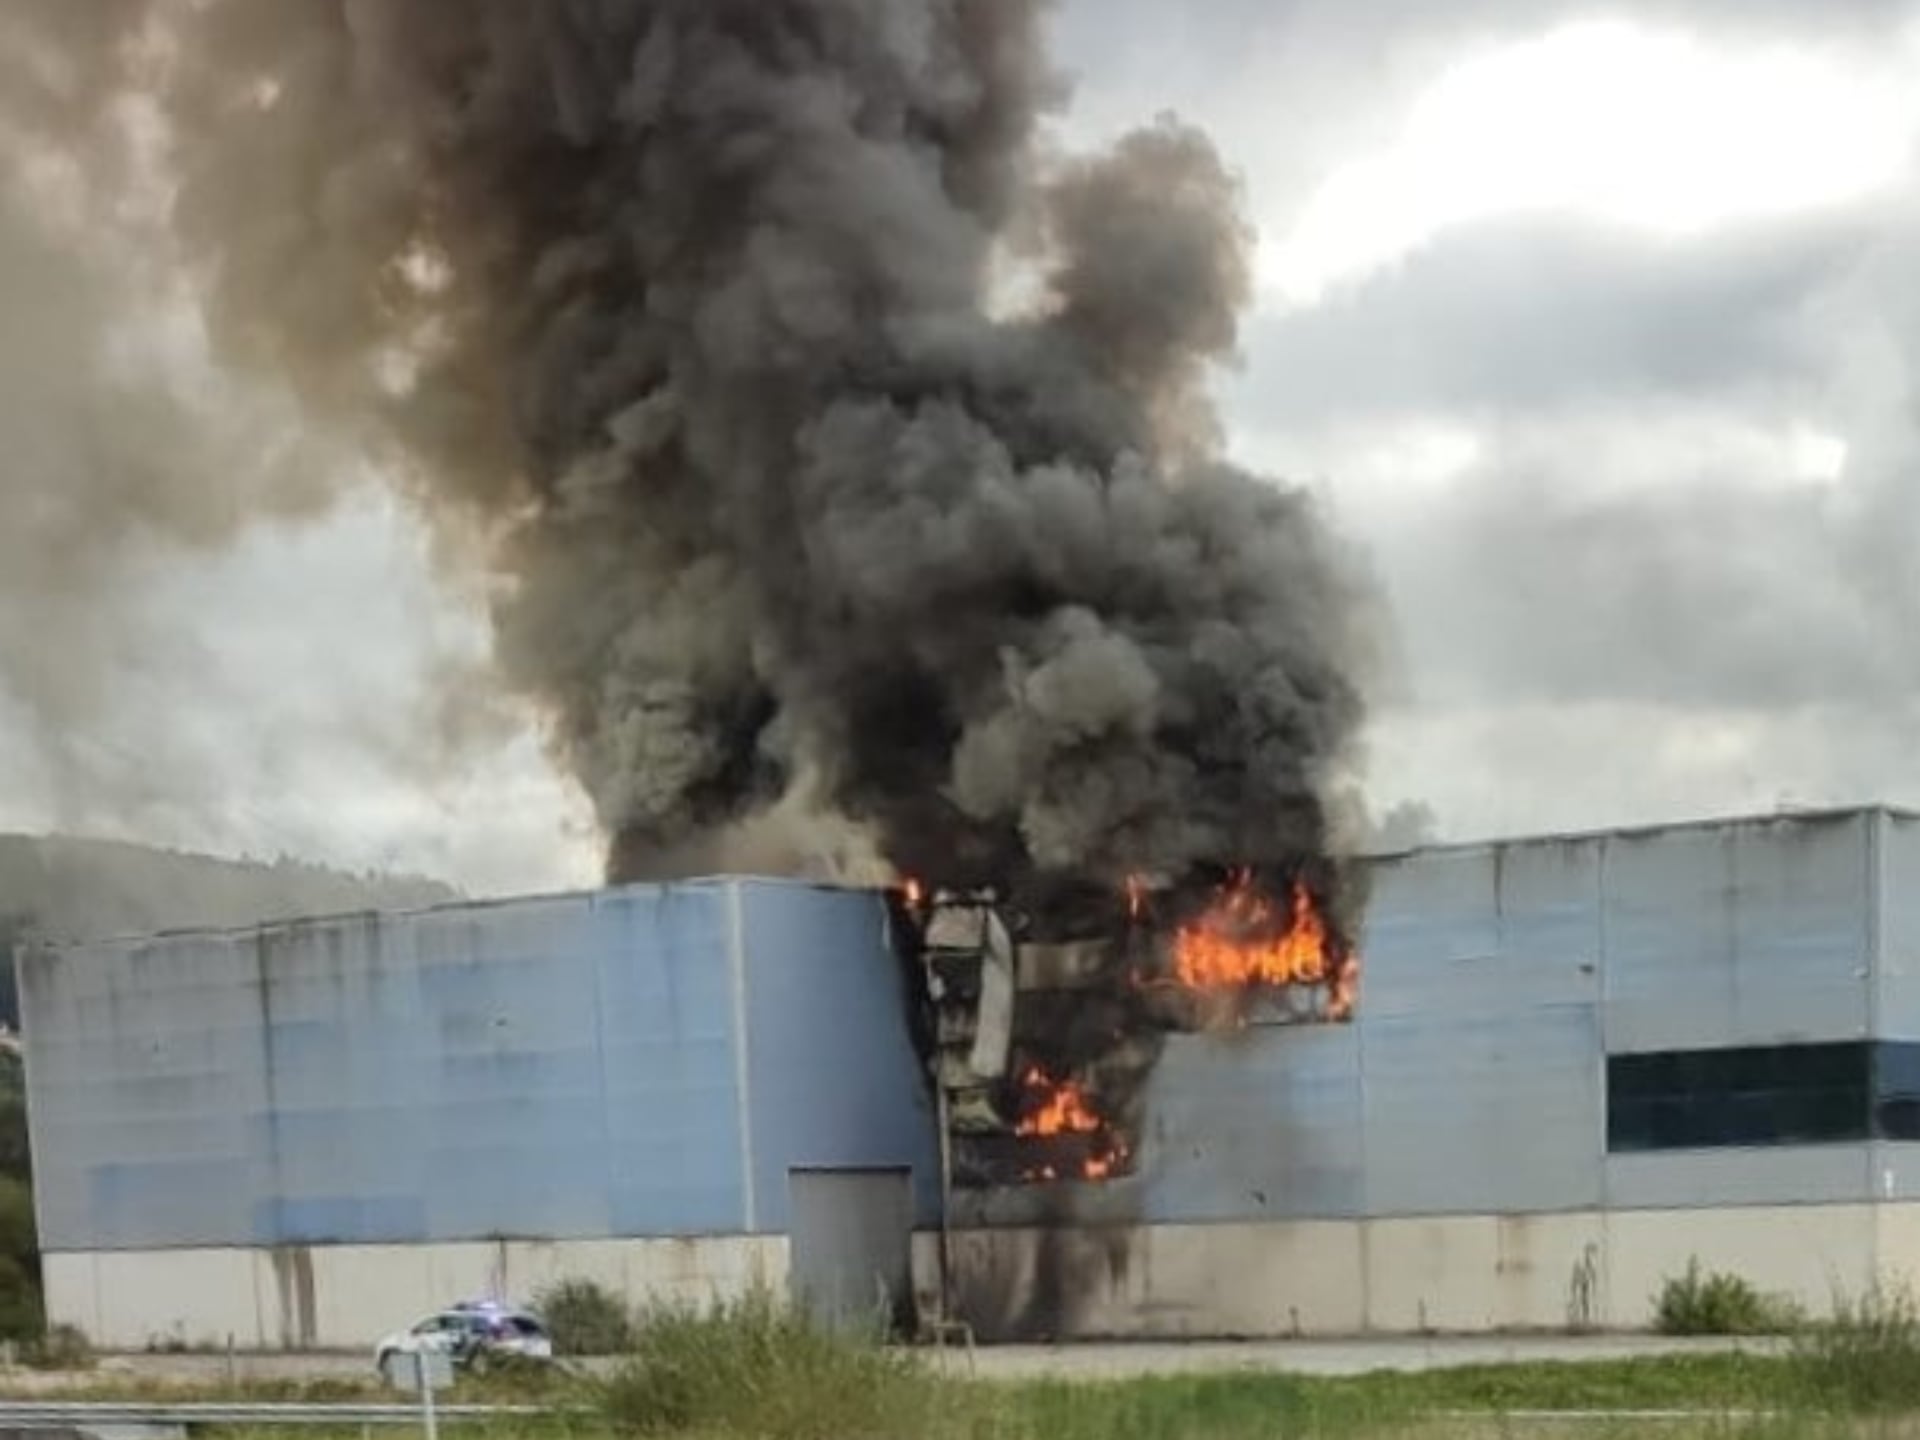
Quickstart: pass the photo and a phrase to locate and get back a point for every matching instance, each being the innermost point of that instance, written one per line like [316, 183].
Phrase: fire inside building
[1541, 1076]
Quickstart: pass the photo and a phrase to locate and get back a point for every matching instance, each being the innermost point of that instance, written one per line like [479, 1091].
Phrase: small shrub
[1865, 1358]
[1717, 1303]
[64, 1347]
[760, 1367]
[585, 1318]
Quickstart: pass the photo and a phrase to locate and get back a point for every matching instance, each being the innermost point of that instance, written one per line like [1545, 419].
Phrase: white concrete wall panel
[1440, 1274]
[70, 1286]
[1162, 1281]
[348, 1296]
[1897, 1246]
[1482, 1272]
[1807, 1253]
[188, 1297]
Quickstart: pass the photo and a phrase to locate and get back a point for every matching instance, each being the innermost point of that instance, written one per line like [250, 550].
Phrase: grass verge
[757, 1371]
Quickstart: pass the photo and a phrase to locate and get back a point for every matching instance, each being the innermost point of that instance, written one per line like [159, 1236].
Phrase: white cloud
[1508, 769]
[1659, 130]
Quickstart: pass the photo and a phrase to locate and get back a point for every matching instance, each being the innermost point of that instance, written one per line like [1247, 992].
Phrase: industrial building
[1575, 1064]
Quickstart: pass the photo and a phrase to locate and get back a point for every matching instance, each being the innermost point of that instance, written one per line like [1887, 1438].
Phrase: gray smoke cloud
[691, 314]
[120, 455]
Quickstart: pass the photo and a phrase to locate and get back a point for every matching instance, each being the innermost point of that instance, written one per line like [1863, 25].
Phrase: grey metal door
[851, 1245]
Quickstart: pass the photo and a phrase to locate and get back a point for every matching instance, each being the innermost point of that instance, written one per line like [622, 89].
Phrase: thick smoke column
[687, 306]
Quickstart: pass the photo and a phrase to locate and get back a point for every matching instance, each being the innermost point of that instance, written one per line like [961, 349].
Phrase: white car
[468, 1332]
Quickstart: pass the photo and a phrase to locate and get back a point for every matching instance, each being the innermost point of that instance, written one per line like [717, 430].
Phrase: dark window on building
[1754, 1095]
[1896, 1090]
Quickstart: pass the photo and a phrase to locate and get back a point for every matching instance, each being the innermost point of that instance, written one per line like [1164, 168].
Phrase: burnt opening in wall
[1041, 1021]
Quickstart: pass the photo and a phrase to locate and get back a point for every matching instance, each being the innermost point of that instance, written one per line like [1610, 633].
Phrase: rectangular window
[1896, 1090]
[1753, 1096]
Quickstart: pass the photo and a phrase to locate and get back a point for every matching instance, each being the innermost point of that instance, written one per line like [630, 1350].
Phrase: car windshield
[526, 1327]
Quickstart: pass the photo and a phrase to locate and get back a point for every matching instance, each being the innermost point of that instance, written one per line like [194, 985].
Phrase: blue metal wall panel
[1480, 1028]
[1265, 1123]
[145, 1076]
[666, 1039]
[832, 1077]
[1894, 1170]
[1741, 934]
[1802, 927]
[1488, 929]
[546, 1068]
[1897, 957]
[1786, 1175]
[571, 1066]
[1669, 925]
[1501, 1112]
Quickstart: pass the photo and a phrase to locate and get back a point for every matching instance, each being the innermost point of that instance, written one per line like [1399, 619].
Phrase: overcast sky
[1595, 327]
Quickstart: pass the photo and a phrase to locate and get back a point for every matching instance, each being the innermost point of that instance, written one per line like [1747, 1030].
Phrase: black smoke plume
[825, 436]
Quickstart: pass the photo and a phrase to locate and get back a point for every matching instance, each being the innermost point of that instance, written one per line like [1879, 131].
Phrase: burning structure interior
[1547, 1073]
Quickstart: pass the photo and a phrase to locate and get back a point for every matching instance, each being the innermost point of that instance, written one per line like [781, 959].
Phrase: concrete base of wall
[1452, 1274]
[1333, 1277]
[345, 1296]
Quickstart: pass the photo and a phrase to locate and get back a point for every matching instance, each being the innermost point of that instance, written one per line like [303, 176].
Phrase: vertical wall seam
[597, 960]
[1875, 937]
[742, 1065]
[1603, 1011]
[50, 1228]
[1876, 1156]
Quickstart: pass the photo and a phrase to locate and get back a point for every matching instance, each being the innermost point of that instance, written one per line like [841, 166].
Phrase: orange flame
[914, 891]
[1242, 941]
[1062, 1107]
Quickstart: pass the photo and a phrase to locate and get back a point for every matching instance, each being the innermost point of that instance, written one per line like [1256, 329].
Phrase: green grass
[758, 1367]
[756, 1371]
[1865, 1360]
[728, 1377]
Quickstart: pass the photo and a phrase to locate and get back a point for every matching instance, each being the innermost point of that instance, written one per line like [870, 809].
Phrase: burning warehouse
[1544, 1074]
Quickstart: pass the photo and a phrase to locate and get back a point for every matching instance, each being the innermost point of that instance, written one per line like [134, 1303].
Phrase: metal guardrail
[21, 1414]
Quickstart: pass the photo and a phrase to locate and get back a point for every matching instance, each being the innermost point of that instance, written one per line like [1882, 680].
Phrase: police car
[471, 1332]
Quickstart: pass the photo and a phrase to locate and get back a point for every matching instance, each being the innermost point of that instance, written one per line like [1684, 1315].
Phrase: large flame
[1242, 940]
[1063, 1107]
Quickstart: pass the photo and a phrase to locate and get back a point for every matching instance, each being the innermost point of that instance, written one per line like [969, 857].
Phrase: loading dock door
[851, 1246]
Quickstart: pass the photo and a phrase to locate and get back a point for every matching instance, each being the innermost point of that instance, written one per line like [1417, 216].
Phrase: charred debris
[1040, 1022]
